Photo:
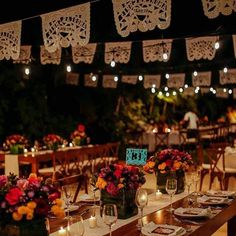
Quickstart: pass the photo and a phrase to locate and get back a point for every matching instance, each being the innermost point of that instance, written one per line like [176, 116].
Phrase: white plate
[152, 229]
[192, 212]
[221, 193]
[87, 198]
[72, 208]
[209, 200]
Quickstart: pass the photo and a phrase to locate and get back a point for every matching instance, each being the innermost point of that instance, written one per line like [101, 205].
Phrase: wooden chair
[76, 182]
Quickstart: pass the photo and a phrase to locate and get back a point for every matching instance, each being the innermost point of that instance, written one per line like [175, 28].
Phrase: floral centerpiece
[53, 141]
[16, 143]
[79, 136]
[169, 162]
[118, 184]
[25, 203]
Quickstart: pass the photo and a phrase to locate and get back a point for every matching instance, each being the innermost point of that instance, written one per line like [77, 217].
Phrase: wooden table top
[206, 226]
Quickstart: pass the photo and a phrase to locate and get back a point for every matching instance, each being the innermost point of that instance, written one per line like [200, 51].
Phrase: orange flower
[16, 216]
[162, 166]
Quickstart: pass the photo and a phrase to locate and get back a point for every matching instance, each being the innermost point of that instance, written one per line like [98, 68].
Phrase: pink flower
[3, 180]
[13, 196]
[22, 184]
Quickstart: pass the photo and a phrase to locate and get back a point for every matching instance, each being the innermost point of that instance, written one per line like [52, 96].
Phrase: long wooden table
[207, 227]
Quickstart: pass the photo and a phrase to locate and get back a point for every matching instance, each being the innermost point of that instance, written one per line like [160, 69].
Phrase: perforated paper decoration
[25, 53]
[202, 79]
[204, 90]
[201, 48]
[176, 80]
[229, 77]
[118, 52]
[153, 50]
[152, 81]
[220, 93]
[129, 79]
[108, 81]
[10, 39]
[212, 8]
[47, 57]
[70, 26]
[84, 53]
[72, 78]
[133, 15]
[189, 91]
[88, 82]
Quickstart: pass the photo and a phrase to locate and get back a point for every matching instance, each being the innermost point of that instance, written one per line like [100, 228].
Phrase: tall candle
[62, 232]
[92, 222]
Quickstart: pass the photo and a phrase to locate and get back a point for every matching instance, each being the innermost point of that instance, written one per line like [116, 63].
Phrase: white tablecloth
[153, 205]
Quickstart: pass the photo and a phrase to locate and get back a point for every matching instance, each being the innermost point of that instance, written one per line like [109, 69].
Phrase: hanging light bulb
[113, 63]
[94, 78]
[167, 94]
[27, 71]
[165, 56]
[186, 86]
[225, 90]
[116, 78]
[160, 93]
[167, 76]
[230, 91]
[195, 73]
[140, 77]
[166, 88]
[153, 90]
[225, 69]
[181, 90]
[217, 45]
[153, 86]
[68, 68]
[174, 93]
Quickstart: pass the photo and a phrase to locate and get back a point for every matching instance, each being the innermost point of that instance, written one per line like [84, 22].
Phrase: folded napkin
[193, 212]
[152, 229]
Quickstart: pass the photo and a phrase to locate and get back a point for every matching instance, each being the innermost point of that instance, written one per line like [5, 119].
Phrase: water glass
[109, 215]
[75, 226]
[171, 188]
[67, 195]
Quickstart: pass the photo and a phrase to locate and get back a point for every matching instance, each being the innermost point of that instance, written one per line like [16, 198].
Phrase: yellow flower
[177, 165]
[16, 216]
[120, 186]
[55, 209]
[101, 183]
[162, 166]
[58, 202]
[151, 164]
[29, 216]
[22, 210]
[31, 205]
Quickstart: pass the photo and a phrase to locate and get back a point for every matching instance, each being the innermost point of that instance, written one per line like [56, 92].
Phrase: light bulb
[174, 93]
[165, 56]
[68, 68]
[153, 90]
[225, 70]
[167, 76]
[113, 63]
[195, 73]
[140, 77]
[115, 78]
[27, 71]
[94, 78]
[167, 94]
[186, 86]
[160, 93]
[217, 45]
[166, 88]
[181, 90]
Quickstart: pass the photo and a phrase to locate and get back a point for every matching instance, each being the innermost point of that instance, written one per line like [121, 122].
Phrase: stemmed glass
[93, 188]
[75, 226]
[141, 200]
[109, 215]
[188, 182]
[67, 194]
[171, 188]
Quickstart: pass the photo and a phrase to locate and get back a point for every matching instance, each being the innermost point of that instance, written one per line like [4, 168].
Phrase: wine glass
[93, 188]
[188, 182]
[109, 215]
[171, 187]
[67, 195]
[141, 200]
[75, 226]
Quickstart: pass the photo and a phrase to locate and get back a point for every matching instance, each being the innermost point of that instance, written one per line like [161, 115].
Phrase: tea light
[62, 232]
[32, 149]
[70, 144]
[92, 222]
[25, 150]
[158, 194]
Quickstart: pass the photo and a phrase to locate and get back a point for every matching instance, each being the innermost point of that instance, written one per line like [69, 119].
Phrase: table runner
[153, 205]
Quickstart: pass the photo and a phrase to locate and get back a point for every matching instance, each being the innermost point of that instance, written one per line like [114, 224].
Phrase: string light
[195, 73]
[217, 45]
[230, 91]
[181, 90]
[186, 86]
[167, 76]
[113, 64]
[94, 78]
[165, 56]
[153, 90]
[116, 78]
[160, 93]
[68, 68]
[174, 93]
[166, 88]
[167, 94]
[140, 77]
[27, 71]
[225, 69]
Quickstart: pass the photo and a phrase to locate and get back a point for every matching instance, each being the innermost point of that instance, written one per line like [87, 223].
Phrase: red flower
[81, 128]
[112, 189]
[13, 196]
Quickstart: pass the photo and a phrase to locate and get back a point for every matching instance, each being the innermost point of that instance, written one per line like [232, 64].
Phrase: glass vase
[161, 180]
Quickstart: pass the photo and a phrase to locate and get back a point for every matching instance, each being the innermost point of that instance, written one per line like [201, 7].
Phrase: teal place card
[135, 156]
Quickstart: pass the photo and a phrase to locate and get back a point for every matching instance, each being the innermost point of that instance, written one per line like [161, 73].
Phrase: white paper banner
[212, 8]
[204, 90]
[108, 81]
[50, 58]
[133, 15]
[118, 52]
[222, 93]
[90, 81]
[153, 50]
[129, 79]
[24, 57]
[10, 39]
[152, 81]
[229, 77]
[72, 78]
[202, 79]
[84, 53]
[201, 48]
[176, 80]
[70, 26]
[189, 91]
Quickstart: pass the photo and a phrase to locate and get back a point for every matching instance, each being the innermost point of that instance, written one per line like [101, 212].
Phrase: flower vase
[124, 200]
[161, 180]
[27, 228]
[16, 149]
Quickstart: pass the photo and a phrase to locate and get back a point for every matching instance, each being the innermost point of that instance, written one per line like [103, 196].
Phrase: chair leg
[226, 183]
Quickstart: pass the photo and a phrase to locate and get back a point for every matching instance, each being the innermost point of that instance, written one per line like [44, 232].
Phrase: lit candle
[25, 150]
[62, 232]
[71, 144]
[158, 194]
[32, 149]
[92, 222]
